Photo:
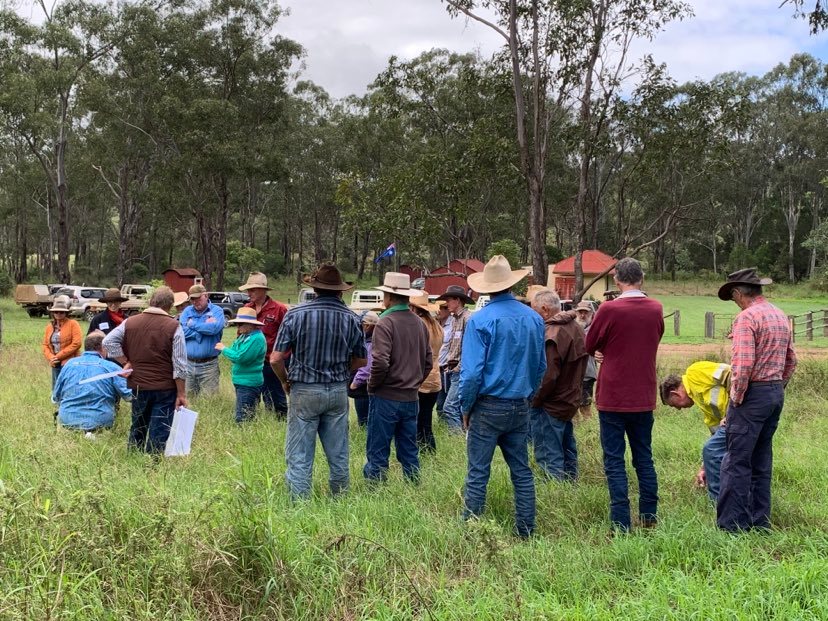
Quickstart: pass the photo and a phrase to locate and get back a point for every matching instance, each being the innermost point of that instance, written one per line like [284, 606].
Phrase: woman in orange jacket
[62, 339]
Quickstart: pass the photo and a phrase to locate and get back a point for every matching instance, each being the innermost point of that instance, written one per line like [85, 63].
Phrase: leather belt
[201, 360]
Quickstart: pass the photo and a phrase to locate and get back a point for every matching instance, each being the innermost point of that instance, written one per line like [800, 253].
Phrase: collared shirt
[92, 405]
[762, 349]
[114, 345]
[632, 293]
[271, 315]
[503, 352]
[458, 327]
[447, 332]
[394, 309]
[707, 384]
[202, 330]
[323, 336]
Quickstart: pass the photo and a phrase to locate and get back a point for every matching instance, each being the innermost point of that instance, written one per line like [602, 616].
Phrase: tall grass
[88, 531]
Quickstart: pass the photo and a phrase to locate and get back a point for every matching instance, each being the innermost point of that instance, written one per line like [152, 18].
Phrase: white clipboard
[181, 433]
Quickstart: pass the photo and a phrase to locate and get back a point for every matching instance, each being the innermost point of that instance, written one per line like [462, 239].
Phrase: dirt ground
[695, 350]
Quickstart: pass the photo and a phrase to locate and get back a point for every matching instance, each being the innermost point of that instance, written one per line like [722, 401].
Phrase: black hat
[456, 291]
[746, 276]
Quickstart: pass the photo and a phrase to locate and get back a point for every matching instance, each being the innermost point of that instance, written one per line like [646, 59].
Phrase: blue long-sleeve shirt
[92, 405]
[503, 352]
[202, 330]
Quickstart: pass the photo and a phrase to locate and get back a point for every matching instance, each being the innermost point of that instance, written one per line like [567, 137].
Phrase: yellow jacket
[708, 385]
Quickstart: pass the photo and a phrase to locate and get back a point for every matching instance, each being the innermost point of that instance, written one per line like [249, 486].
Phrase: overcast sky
[348, 42]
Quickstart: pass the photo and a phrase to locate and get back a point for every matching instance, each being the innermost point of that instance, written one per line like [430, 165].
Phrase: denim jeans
[152, 416]
[273, 394]
[391, 420]
[638, 427]
[202, 377]
[317, 409]
[452, 414]
[56, 373]
[745, 490]
[500, 422]
[554, 443]
[425, 432]
[361, 405]
[712, 453]
[247, 398]
[441, 396]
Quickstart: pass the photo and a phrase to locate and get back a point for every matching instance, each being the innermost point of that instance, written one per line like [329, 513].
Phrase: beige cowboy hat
[61, 304]
[180, 297]
[256, 280]
[398, 284]
[246, 315]
[327, 276]
[498, 275]
[112, 295]
[421, 301]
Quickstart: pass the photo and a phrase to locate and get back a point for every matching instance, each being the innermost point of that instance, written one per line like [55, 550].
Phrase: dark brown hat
[112, 295]
[456, 291]
[327, 276]
[746, 276]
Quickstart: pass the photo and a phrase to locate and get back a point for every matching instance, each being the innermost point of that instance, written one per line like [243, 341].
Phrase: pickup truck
[34, 299]
[229, 301]
[138, 299]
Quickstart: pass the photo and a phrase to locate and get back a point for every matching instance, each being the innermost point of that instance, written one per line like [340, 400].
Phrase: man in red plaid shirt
[762, 362]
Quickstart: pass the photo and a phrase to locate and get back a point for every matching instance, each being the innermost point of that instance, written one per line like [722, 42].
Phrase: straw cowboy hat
[456, 291]
[746, 276]
[421, 301]
[256, 280]
[61, 304]
[498, 275]
[327, 276]
[398, 284]
[112, 295]
[534, 290]
[246, 315]
[180, 297]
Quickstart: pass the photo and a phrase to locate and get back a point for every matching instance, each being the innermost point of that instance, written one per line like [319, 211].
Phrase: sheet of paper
[103, 376]
[181, 433]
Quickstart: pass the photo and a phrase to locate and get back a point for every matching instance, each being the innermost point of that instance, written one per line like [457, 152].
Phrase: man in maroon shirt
[624, 337]
[270, 313]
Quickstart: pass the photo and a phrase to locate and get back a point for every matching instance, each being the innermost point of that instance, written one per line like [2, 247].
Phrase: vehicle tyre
[33, 312]
[89, 314]
[227, 314]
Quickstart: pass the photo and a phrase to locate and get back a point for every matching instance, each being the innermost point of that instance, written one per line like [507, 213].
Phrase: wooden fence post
[809, 325]
[825, 323]
[677, 323]
[709, 325]
[792, 319]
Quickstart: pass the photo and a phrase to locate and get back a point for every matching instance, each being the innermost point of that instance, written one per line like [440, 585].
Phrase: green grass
[88, 531]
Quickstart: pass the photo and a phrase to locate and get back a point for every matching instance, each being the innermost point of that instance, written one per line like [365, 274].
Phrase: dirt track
[717, 347]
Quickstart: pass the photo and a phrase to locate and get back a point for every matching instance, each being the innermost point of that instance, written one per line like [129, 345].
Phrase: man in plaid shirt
[762, 362]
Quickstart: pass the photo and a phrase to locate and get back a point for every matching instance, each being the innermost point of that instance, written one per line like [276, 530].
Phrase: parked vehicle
[34, 299]
[418, 283]
[366, 299]
[83, 300]
[229, 301]
[306, 295]
[482, 300]
[137, 300]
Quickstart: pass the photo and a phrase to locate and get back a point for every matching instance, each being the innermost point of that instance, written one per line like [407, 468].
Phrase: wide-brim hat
[61, 304]
[256, 280]
[455, 291]
[246, 315]
[112, 295]
[179, 297]
[398, 284]
[747, 276]
[327, 276]
[498, 275]
[533, 290]
[421, 301]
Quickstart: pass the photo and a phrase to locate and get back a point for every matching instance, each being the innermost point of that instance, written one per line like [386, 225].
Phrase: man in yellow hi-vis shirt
[706, 385]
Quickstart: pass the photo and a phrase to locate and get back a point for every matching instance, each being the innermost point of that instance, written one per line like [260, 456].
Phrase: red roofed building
[182, 278]
[562, 275]
[437, 285]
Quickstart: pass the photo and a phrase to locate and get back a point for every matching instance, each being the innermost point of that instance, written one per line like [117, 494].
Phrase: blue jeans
[638, 427]
[712, 453]
[56, 373]
[247, 398]
[152, 416]
[202, 377]
[500, 422]
[554, 443]
[452, 414]
[745, 493]
[391, 420]
[273, 394]
[317, 409]
[361, 405]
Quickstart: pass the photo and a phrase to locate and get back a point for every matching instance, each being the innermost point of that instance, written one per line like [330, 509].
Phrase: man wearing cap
[111, 317]
[203, 325]
[271, 313]
[762, 361]
[401, 361]
[325, 342]
[583, 317]
[503, 364]
[456, 299]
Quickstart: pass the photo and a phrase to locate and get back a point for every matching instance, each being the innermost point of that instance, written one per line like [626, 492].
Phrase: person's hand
[723, 422]
[353, 386]
[125, 372]
[220, 346]
[465, 422]
[599, 357]
[55, 361]
[286, 387]
[181, 401]
[701, 479]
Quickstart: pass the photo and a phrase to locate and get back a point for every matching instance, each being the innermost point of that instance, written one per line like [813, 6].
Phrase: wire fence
[805, 327]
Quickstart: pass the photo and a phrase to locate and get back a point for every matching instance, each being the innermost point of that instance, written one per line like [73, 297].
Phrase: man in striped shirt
[762, 362]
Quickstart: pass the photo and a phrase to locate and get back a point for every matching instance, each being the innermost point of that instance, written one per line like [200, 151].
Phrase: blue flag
[387, 253]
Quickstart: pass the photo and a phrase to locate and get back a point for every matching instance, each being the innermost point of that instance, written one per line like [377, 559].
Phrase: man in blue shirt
[503, 364]
[202, 323]
[91, 406]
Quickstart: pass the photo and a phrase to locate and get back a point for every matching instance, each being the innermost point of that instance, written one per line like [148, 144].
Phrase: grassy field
[88, 531]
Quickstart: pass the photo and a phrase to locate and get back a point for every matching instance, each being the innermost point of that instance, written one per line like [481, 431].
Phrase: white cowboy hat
[61, 304]
[256, 280]
[498, 275]
[246, 315]
[398, 284]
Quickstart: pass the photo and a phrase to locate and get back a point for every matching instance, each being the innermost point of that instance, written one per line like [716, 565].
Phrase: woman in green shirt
[247, 354]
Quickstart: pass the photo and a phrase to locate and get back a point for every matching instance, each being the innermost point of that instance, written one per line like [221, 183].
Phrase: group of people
[510, 375]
